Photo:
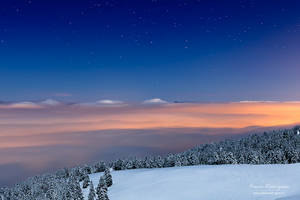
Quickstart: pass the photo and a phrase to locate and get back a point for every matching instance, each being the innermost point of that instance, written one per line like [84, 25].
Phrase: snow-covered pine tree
[100, 167]
[87, 169]
[177, 163]
[92, 194]
[102, 184]
[103, 194]
[86, 181]
[77, 195]
[118, 164]
[159, 162]
[108, 177]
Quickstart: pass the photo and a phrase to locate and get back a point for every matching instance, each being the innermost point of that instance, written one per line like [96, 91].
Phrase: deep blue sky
[134, 50]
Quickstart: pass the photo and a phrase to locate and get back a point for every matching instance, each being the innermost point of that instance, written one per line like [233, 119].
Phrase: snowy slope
[226, 182]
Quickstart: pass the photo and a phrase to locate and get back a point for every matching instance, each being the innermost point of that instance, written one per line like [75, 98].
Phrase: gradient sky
[134, 50]
[114, 70]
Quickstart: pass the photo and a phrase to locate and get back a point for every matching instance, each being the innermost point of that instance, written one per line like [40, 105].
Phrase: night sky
[135, 50]
[137, 78]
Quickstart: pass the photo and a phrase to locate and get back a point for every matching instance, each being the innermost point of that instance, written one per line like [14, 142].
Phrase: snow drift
[209, 182]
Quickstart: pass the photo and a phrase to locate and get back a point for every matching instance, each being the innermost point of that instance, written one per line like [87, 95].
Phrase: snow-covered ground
[226, 182]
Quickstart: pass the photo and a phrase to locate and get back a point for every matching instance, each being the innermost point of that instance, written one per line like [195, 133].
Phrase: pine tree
[102, 189]
[102, 184]
[77, 194]
[103, 194]
[100, 167]
[92, 194]
[86, 181]
[108, 177]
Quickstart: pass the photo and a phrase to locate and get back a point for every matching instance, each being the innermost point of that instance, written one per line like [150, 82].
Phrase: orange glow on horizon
[215, 115]
[48, 127]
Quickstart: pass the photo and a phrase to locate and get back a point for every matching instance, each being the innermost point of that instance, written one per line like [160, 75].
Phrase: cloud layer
[40, 134]
[52, 116]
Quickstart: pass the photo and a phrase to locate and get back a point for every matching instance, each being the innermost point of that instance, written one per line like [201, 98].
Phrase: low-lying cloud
[20, 105]
[155, 101]
[40, 135]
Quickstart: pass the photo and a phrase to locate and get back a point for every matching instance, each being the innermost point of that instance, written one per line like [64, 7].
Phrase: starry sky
[89, 80]
[177, 50]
